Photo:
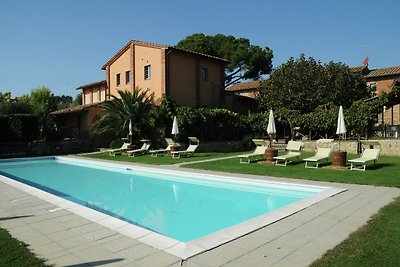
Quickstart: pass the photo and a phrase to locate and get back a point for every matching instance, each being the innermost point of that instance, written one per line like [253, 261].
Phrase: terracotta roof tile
[358, 68]
[384, 72]
[136, 42]
[74, 109]
[244, 86]
[104, 82]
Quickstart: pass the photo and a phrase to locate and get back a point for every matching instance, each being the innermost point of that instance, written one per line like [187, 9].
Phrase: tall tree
[116, 113]
[5, 97]
[246, 61]
[43, 103]
[24, 99]
[78, 100]
[9, 105]
[63, 101]
[304, 84]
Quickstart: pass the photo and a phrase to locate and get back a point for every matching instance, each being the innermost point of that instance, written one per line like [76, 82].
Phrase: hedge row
[219, 124]
[18, 128]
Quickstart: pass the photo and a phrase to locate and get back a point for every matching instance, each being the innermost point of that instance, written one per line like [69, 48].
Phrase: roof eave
[126, 47]
[117, 55]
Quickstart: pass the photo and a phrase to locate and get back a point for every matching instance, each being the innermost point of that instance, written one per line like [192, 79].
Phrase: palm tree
[136, 106]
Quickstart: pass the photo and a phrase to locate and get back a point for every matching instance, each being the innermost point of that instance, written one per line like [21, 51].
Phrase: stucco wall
[121, 65]
[150, 56]
[210, 90]
[182, 74]
[186, 84]
[93, 95]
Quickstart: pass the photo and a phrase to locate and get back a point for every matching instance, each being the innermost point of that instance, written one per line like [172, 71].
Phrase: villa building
[190, 78]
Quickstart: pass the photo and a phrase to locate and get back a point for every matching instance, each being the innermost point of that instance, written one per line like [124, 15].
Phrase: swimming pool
[182, 208]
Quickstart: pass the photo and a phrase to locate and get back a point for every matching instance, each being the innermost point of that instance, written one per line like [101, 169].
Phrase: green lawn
[385, 173]
[375, 244]
[15, 253]
[162, 159]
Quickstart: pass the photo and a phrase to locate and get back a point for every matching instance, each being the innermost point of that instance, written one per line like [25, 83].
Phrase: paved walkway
[66, 239]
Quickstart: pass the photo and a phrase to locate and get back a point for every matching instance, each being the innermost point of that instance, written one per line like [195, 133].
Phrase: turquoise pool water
[175, 204]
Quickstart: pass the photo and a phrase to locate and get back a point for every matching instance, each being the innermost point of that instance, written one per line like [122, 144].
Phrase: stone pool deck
[66, 239]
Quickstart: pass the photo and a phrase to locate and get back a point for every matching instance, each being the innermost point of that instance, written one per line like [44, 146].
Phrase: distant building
[379, 81]
[247, 89]
[241, 97]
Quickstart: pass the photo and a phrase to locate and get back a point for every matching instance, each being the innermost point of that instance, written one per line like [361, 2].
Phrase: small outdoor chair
[368, 155]
[136, 152]
[258, 153]
[294, 151]
[156, 152]
[323, 153]
[118, 151]
[193, 145]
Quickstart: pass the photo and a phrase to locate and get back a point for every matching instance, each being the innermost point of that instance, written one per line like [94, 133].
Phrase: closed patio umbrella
[175, 129]
[130, 131]
[341, 126]
[271, 129]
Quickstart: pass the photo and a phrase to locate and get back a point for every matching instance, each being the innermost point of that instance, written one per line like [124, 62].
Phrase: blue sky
[63, 44]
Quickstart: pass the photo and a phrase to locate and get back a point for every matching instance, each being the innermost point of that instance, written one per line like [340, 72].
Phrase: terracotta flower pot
[339, 158]
[270, 154]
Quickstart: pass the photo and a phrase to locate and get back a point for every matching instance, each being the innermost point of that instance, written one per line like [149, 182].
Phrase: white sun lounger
[156, 152]
[118, 151]
[293, 148]
[368, 155]
[193, 145]
[323, 153]
[136, 152]
[258, 153]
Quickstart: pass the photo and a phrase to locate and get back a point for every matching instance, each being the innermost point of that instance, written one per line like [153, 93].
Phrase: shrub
[18, 128]
[211, 124]
[116, 143]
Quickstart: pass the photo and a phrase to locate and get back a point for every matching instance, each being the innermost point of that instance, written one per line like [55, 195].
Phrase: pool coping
[180, 249]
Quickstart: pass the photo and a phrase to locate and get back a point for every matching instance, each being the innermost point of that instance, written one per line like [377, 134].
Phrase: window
[118, 79]
[373, 89]
[204, 74]
[128, 77]
[147, 72]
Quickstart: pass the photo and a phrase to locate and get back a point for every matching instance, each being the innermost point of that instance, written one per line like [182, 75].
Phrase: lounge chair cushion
[190, 150]
[368, 155]
[294, 149]
[118, 151]
[259, 151]
[145, 147]
[170, 144]
[321, 154]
